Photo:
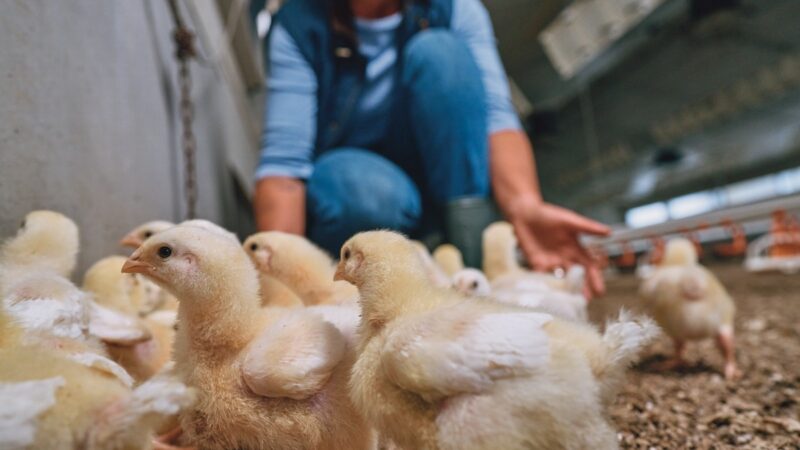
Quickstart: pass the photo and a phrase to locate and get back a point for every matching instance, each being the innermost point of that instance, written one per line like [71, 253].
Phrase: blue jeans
[438, 151]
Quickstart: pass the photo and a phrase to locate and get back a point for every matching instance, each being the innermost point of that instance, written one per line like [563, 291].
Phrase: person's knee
[432, 49]
[354, 190]
[442, 54]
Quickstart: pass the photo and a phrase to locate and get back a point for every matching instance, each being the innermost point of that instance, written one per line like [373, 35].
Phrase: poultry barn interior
[174, 277]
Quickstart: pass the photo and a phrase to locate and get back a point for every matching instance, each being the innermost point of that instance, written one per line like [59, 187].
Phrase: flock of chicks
[270, 344]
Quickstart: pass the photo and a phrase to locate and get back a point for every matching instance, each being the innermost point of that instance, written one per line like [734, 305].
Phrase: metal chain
[184, 43]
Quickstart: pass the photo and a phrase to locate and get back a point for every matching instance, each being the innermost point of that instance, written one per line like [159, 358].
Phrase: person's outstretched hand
[549, 238]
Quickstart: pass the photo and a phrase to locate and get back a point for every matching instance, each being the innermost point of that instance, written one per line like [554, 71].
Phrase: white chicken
[127, 294]
[301, 266]
[435, 272]
[449, 258]
[437, 370]
[268, 378]
[50, 401]
[511, 283]
[690, 303]
[134, 238]
[53, 312]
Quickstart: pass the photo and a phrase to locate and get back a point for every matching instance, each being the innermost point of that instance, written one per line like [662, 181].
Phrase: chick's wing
[448, 352]
[693, 283]
[684, 283]
[21, 404]
[114, 327]
[294, 357]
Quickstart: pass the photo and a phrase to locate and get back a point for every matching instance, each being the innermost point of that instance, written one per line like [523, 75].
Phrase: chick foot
[676, 362]
[725, 344]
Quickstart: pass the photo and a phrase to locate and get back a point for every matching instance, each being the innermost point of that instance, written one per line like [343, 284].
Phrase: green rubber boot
[464, 221]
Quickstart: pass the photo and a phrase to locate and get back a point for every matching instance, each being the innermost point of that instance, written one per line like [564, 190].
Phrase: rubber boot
[464, 221]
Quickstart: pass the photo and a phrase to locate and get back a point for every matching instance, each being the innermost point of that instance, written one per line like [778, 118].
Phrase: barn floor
[696, 408]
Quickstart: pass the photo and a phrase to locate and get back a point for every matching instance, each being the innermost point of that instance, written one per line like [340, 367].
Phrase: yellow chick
[156, 299]
[471, 282]
[528, 292]
[501, 266]
[126, 294]
[49, 401]
[46, 242]
[438, 370]
[54, 312]
[301, 266]
[690, 303]
[134, 238]
[435, 273]
[449, 258]
[267, 378]
[511, 283]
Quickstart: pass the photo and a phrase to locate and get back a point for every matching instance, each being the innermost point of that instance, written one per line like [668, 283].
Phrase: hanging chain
[184, 43]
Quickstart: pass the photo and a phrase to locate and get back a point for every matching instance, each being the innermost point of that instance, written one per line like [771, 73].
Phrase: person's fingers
[529, 246]
[583, 224]
[587, 292]
[595, 281]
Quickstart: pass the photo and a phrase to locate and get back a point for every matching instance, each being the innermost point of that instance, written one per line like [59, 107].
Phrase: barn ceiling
[699, 94]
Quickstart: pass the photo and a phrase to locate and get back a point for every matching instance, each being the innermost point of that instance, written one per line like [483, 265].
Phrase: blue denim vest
[327, 41]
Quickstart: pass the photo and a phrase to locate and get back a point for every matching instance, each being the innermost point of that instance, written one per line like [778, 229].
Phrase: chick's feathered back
[300, 265]
[460, 372]
[269, 378]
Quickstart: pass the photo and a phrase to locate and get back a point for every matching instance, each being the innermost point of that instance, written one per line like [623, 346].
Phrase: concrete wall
[88, 122]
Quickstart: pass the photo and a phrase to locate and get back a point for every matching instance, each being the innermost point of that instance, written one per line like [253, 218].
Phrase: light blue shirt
[290, 123]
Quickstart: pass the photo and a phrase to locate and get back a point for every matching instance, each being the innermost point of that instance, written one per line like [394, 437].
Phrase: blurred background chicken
[455, 372]
[49, 401]
[502, 267]
[46, 243]
[435, 272]
[53, 312]
[690, 303]
[449, 258]
[471, 281]
[134, 238]
[510, 283]
[301, 266]
[266, 377]
[127, 294]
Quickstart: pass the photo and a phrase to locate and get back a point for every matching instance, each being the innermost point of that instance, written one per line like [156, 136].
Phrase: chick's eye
[22, 225]
[346, 254]
[474, 285]
[253, 246]
[164, 252]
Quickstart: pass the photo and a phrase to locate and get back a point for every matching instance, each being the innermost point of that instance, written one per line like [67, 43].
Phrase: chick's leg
[725, 343]
[677, 360]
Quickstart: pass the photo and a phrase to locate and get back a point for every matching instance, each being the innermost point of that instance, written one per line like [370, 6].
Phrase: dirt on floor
[694, 407]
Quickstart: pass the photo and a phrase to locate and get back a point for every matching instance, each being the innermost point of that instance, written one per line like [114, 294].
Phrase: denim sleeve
[287, 142]
[470, 20]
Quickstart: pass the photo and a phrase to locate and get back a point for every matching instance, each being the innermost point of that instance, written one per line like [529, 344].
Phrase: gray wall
[88, 124]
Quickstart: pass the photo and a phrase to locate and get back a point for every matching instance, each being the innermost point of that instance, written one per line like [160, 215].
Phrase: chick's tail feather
[624, 340]
[626, 336]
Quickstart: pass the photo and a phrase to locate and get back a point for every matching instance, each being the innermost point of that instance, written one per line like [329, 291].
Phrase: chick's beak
[135, 265]
[130, 240]
[339, 275]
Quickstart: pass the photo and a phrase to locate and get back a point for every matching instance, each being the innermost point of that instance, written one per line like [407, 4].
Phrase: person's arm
[287, 143]
[280, 205]
[548, 234]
